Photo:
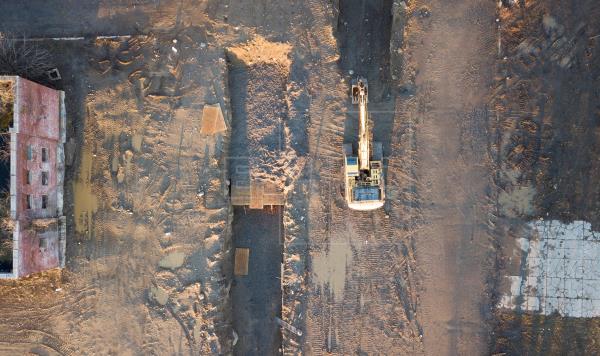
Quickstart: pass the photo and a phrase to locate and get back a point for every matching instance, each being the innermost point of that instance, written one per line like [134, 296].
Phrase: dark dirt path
[547, 100]
[256, 298]
[364, 31]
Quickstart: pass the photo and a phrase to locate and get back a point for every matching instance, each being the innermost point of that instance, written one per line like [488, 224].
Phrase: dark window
[44, 201]
[28, 201]
[29, 153]
[27, 176]
[44, 178]
[44, 154]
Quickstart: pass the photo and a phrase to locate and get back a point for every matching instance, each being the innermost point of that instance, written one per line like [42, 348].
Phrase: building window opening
[27, 176]
[28, 201]
[44, 201]
[29, 153]
[44, 155]
[44, 178]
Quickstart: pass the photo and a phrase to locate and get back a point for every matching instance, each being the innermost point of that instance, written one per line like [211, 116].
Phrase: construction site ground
[481, 135]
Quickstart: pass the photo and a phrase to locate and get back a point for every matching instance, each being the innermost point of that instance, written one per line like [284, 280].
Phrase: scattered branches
[23, 58]
[5, 147]
[6, 228]
[6, 105]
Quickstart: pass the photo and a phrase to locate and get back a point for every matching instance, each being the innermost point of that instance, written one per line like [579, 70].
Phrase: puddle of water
[518, 202]
[160, 295]
[172, 261]
[85, 202]
[136, 142]
[330, 267]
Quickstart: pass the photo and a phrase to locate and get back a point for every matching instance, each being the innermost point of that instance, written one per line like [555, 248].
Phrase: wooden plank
[241, 261]
[257, 195]
[212, 120]
[240, 195]
[257, 191]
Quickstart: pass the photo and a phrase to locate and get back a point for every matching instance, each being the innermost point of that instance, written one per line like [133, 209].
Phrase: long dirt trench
[258, 74]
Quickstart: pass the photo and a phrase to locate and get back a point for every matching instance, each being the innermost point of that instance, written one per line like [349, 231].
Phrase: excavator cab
[363, 169]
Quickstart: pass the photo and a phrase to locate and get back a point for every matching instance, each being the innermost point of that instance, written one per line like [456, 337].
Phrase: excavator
[363, 172]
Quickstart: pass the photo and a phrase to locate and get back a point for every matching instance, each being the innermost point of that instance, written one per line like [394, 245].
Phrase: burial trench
[257, 88]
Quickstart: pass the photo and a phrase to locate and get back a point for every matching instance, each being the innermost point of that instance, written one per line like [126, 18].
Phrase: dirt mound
[260, 51]
[259, 72]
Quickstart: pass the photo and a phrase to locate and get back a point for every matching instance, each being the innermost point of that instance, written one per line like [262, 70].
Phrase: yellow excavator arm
[363, 133]
[363, 172]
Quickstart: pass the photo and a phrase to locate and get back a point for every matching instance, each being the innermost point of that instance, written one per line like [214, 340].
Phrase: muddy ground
[546, 100]
[256, 298]
[480, 106]
[149, 233]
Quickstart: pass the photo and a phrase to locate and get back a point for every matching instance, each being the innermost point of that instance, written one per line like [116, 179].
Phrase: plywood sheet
[212, 120]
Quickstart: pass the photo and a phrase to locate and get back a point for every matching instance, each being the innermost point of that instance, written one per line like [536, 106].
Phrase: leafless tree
[24, 58]
[6, 105]
[6, 226]
[4, 147]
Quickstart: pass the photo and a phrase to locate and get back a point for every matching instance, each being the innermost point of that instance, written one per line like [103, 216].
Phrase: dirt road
[451, 50]
[417, 269]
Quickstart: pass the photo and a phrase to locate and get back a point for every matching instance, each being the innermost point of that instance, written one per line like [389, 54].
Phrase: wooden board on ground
[241, 261]
[212, 120]
[257, 190]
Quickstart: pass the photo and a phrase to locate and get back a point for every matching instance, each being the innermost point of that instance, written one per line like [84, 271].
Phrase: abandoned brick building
[37, 137]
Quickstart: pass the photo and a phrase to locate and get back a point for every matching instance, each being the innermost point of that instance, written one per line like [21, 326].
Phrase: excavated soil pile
[259, 72]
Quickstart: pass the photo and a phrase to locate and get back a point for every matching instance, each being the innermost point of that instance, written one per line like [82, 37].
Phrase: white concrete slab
[561, 272]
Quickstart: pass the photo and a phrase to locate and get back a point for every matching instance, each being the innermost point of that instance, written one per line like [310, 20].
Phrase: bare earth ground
[150, 258]
[149, 223]
[150, 238]
[546, 96]
[450, 54]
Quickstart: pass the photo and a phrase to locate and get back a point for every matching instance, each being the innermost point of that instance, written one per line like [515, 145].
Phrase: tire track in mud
[34, 337]
[325, 141]
[24, 325]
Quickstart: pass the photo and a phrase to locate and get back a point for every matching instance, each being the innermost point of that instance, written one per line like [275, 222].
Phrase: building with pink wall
[37, 167]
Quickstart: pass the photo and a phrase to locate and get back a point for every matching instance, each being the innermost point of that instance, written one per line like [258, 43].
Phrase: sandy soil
[450, 56]
[145, 245]
[475, 116]
[149, 240]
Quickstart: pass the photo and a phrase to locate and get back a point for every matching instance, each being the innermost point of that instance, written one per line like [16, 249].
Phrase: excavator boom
[363, 171]
[363, 133]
